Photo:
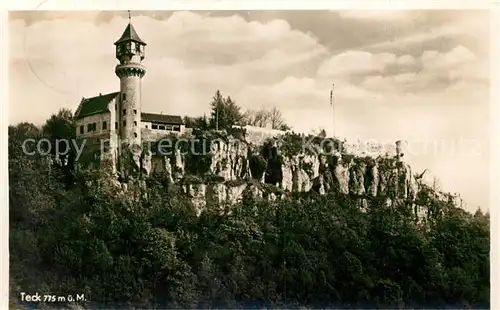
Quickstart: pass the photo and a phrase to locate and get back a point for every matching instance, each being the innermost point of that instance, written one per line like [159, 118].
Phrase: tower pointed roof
[130, 35]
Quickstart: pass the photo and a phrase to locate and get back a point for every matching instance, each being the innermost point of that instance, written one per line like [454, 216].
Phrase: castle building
[118, 117]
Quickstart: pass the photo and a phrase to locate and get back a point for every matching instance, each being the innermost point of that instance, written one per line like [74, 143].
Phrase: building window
[89, 127]
[104, 125]
[94, 127]
[135, 134]
[161, 127]
[135, 112]
[116, 125]
[124, 112]
[176, 128]
[124, 123]
[81, 129]
[154, 126]
[146, 126]
[168, 127]
[135, 123]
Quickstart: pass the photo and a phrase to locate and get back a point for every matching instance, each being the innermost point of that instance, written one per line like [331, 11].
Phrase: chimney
[100, 95]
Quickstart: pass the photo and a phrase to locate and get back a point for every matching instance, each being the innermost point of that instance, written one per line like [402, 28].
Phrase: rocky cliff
[230, 169]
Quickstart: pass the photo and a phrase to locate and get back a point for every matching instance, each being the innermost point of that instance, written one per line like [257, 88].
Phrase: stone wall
[98, 119]
[257, 135]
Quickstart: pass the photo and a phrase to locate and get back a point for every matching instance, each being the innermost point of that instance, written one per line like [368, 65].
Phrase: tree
[276, 119]
[322, 133]
[60, 125]
[225, 113]
[200, 123]
[313, 250]
[61, 130]
[258, 118]
[264, 117]
[188, 121]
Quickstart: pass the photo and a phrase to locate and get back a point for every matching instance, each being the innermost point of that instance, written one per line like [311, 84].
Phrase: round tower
[130, 53]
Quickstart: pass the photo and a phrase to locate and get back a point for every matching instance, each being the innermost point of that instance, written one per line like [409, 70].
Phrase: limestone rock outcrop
[235, 169]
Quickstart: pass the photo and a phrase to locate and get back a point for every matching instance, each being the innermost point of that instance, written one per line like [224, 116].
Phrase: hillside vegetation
[71, 234]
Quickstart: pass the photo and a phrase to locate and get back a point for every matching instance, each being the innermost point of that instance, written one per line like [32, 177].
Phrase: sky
[419, 76]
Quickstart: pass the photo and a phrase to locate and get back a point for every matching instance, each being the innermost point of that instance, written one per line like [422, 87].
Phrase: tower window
[135, 112]
[135, 134]
[146, 126]
[104, 125]
[124, 97]
[116, 125]
[124, 112]
[135, 123]
[81, 129]
[124, 123]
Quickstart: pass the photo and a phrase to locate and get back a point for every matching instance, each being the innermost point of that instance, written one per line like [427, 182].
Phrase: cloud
[406, 60]
[188, 57]
[455, 57]
[355, 62]
[473, 26]
[432, 71]
[373, 15]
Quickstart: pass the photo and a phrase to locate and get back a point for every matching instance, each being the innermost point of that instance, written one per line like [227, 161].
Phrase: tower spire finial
[129, 18]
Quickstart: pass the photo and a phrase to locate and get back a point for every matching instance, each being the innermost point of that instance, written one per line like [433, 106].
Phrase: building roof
[130, 35]
[94, 105]
[161, 118]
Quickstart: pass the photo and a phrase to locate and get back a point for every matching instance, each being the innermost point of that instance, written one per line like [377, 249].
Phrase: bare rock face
[168, 170]
[147, 162]
[357, 178]
[407, 186]
[388, 180]
[372, 179]
[197, 193]
[311, 164]
[129, 163]
[325, 173]
[216, 193]
[236, 163]
[178, 165]
[342, 176]
[287, 171]
[235, 192]
[240, 165]
[229, 159]
[402, 179]
[301, 180]
[219, 165]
